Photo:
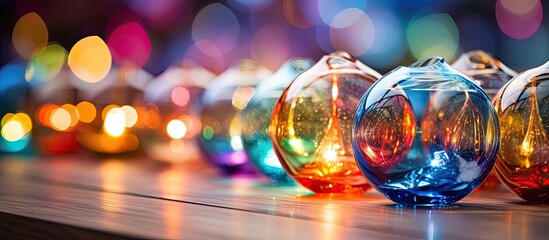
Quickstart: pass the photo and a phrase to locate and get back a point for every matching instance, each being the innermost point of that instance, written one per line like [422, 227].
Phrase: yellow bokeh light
[115, 122]
[12, 131]
[107, 109]
[30, 35]
[131, 115]
[90, 59]
[73, 111]
[15, 126]
[60, 119]
[87, 111]
[176, 129]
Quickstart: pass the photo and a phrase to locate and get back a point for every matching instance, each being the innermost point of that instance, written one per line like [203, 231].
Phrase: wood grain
[138, 198]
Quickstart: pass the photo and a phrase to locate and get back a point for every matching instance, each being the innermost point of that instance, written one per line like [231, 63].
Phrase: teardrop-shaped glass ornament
[425, 134]
[523, 110]
[220, 106]
[311, 124]
[488, 72]
[257, 117]
[170, 98]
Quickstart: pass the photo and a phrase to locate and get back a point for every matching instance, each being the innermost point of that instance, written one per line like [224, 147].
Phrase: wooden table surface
[83, 197]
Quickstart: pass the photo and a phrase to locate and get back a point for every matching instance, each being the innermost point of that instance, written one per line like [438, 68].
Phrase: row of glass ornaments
[423, 134]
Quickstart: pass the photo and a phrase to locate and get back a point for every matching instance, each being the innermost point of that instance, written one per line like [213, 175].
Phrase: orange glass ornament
[312, 121]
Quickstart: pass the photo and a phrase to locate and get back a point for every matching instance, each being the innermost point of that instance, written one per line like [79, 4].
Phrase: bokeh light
[176, 129]
[47, 64]
[433, 35]
[519, 19]
[30, 35]
[130, 115]
[15, 126]
[90, 59]
[250, 5]
[298, 13]
[329, 9]
[87, 111]
[270, 46]
[181, 96]
[60, 119]
[352, 31]
[130, 43]
[115, 122]
[217, 24]
[389, 45]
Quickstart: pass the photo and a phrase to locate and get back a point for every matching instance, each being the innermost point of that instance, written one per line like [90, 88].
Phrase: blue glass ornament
[425, 134]
[257, 117]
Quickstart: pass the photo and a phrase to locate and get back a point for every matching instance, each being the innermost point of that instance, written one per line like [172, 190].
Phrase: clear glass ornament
[523, 110]
[257, 117]
[311, 124]
[425, 134]
[488, 72]
[171, 99]
[220, 106]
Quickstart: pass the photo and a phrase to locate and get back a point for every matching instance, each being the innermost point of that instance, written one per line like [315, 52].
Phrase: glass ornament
[425, 134]
[115, 100]
[523, 110]
[220, 106]
[257, 117]
[170, 99]
[311, 124]
[488, 72]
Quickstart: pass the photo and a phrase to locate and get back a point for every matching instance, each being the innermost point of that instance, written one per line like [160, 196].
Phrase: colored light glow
[328, 9]
[208, 132]
[13, 131]
[176, 129]
[115, 122]
[87, 111]
[352, 31]
[219, 25]
[242, 96]
[15, 126]
[207, 54]
[298, 13]
[270, 46]
[90, 59]
[520, 7]
[250, 5]
[130, 115]
[130, 43]
[389, 45]
[60, 119]
[44, 114]
[519, 19]
[46, 65]
[107, 109]
[12, 75]
[181, 96]
[30, 35]
[433, 35]
[73, 112]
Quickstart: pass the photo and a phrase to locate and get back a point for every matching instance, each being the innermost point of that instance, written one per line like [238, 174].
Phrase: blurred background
[383, 34]
[87, 69]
